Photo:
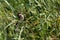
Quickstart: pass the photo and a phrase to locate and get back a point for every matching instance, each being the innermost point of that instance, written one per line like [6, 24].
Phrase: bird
[20, 21]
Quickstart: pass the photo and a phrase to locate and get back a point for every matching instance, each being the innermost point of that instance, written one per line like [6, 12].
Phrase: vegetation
[41, 20]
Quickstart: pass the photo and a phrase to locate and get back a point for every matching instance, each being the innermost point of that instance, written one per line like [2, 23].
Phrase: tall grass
[41, 20]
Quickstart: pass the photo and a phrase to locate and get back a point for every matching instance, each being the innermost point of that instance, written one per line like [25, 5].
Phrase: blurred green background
[41, 20]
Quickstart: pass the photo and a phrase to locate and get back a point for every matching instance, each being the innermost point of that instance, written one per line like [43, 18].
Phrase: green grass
[41, 20]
